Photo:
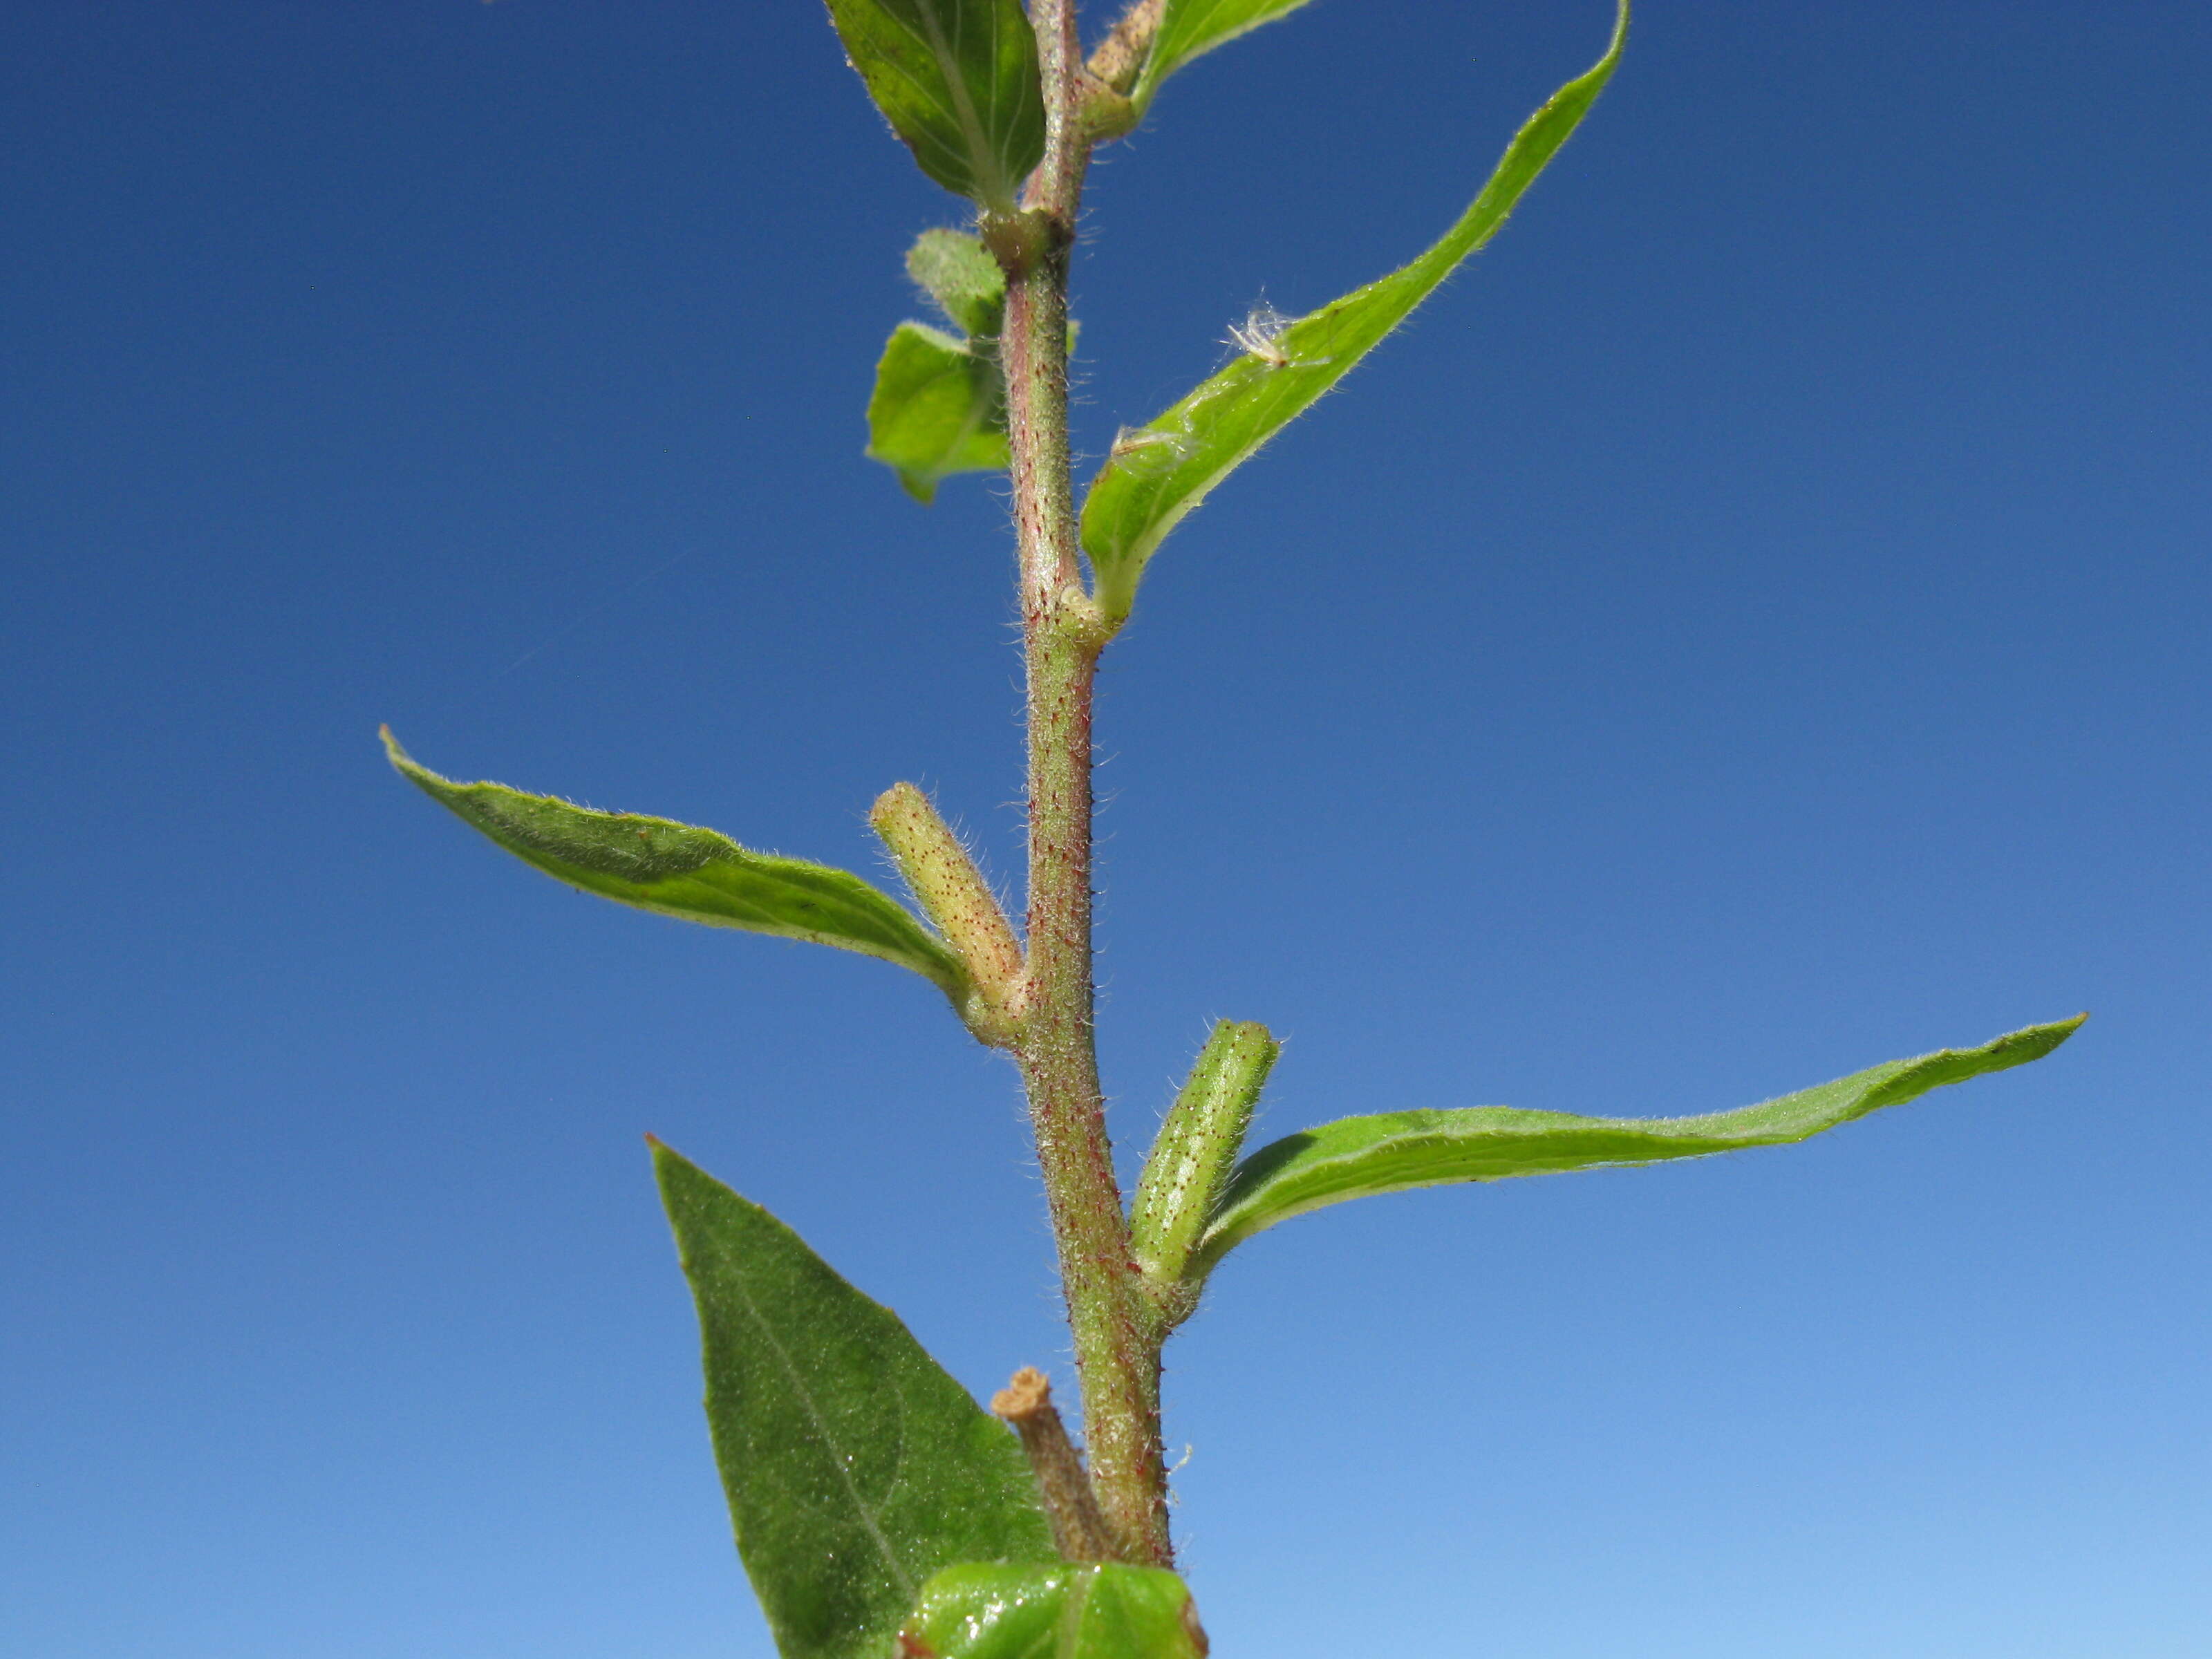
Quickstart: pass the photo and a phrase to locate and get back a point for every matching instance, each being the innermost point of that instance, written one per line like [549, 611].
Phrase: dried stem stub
[1078, 1526]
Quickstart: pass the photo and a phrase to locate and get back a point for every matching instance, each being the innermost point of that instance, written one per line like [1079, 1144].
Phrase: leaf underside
[1160, 472]
[1061, 1612]
[855, 1467]
[1396, 1151]
[698, 875]
[1190, 27]
[958, 81]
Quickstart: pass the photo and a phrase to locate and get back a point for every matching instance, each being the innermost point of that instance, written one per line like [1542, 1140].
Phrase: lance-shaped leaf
[1159, 473]
[1189, 27]
[958, 81]
[1394, 1151]
[854, 1466]
[938, 409]
[679, 870]
[1066, 1612]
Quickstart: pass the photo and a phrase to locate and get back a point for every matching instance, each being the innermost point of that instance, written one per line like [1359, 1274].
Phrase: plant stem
[1117, 1345]
[1116, 1348]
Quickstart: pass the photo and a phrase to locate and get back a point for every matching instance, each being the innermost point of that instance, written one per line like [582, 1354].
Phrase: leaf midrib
[962, 108]
[908, 1588]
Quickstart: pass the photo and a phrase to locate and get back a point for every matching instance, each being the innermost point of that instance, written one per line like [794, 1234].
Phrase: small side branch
[1079, 1527]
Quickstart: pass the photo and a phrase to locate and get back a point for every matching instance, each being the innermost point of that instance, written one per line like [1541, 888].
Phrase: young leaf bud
[953, 894]
[1191, 1161]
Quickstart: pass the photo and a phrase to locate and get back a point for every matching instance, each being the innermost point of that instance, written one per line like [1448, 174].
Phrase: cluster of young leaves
[938, 397]
[877, 1509]
[940, 406]
[1161, 470]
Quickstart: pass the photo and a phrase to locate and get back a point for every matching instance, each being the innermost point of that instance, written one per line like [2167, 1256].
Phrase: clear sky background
[1750, 626]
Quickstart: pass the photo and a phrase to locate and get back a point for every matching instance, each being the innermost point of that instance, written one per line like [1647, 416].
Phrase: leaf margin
[1177, 42]
[938, 410]
[1300, 1161]
[952, 145]
[978, 1439]
[1024, 1602]
[683, 850]
[1134, 502]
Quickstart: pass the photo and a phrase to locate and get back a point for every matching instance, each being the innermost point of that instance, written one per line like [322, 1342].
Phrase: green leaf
[940, 406]
[938, 409]
[1159, 473]
[1065, 1612]
[1394, 1151]
[1189, 27]
[854, 1466]
[679, 870]
[957, 271]
[958, 81]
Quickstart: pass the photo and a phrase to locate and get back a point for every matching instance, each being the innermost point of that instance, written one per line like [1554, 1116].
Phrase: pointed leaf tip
[694, 874]
[1396, 1151]
[854, 1466]
[1156, 474]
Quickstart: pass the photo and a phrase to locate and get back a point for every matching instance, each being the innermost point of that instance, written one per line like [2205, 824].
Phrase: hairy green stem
[1116, 1347]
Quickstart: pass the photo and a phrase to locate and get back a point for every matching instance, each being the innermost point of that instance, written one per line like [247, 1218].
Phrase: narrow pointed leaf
[1189, 27]
[938, 409]
[1159, 473]
[1394, 1151]
[1062, 1612]
[958, 81]
[854, 1466]
[957, 271]
[679, 870]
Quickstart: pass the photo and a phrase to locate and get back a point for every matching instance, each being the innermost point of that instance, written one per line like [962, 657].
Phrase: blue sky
[1750, 625]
